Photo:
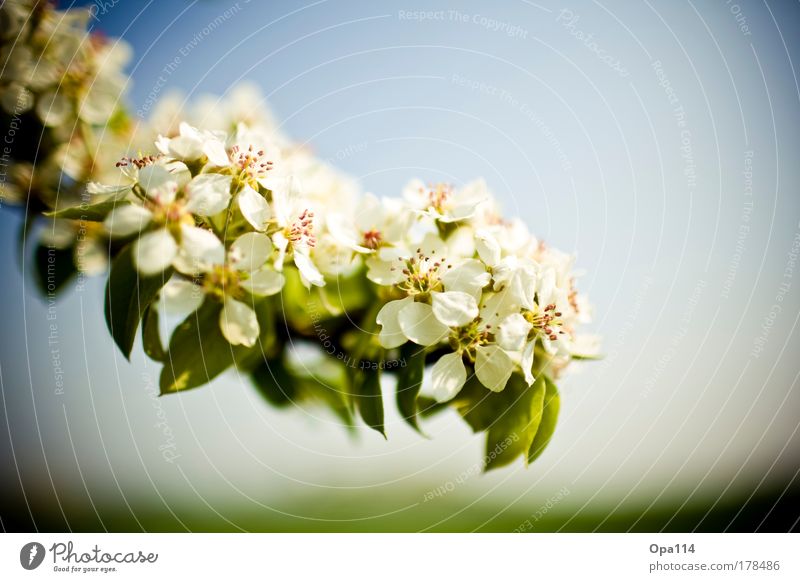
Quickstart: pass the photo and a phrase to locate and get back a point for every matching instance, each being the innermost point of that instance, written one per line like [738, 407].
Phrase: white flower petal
[384, 272]
[308, 270]
[214, 150]
[200, 250]
[154, 252]
[263, 282]
[420, 325]
[512, 332]
[281, 243]
[493, 367]
[254, 207]
[179, 296]
[127, 219]
[497, 306]
[91, 257]
[238, 323]
[391, 335]
[53, 108]
[209, 194]
[546, 287]
[488, 248]
[158, 183]
[470, 277]
[250, 251]
[447, 377]
[98, 189]
[153, 176]
[526, 362]
[454, 308]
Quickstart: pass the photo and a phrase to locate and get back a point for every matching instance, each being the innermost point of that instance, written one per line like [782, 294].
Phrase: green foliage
[409, 382]
[511, 419]
[321, 383]
[54, 268]
[91, 212]
[368, 397]
[552, 404]
[275, 382]
[151, 337]
[198, 352]
[128, 295]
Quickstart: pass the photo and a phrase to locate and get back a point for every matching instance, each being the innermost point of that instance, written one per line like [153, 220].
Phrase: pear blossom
[434, 302]
[295, 221]
[192, 144]
[476, 343]
[445, 203]
[377, 223]
[231, 276]
[165, 218]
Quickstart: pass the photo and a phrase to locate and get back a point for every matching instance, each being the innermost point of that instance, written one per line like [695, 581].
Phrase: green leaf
[274, 382]
[552, 404]
[54, 268]
[586, 357]
[128, 294]
[429, 406]
[409, 382]
[514, 431]
[368, 398]
[198, 352]
[510, 418]
[329, 392]
[342, 295]
[477, 404]
[151, 336]
[91, 212]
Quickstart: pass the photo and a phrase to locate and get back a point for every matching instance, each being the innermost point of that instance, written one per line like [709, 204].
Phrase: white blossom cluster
[229, 212]
[220, 201]
[68, 81]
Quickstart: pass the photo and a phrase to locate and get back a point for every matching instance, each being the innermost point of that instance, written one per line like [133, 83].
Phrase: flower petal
[157, 182]
[308, 270]
[391, 335]
[526, 362]
[214, 150]
[383, 272]
[493, 367]
[200, 250]
[127, 219]
[154, 252]
[238, 323]
[53, 108]
[254, 207]
[209, 194]
[281, 243]
[470, 277]
[447, 377]
[263, 282]
[179, 296]
[250, 251]
[488, 248]
[512, 332]
[454, 308]
[420, 325]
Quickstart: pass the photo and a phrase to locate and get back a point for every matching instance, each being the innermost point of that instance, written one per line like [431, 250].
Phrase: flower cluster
[481, 285]
[62, 86]
[227, 214]
[211, 208]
